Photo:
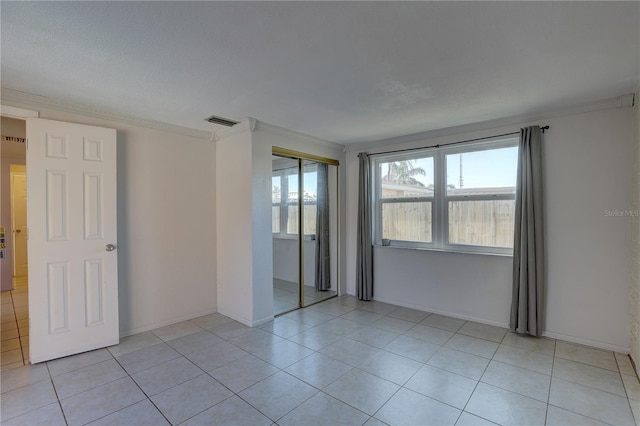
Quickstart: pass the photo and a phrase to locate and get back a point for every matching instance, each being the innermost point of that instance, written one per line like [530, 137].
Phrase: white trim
[550, 334]
[263, 321]
[586, 342]
[462, 250]
[132, 331]
[440, 201]
[441, 312]
[16, 97]
[277, 130]
[19, 113]
[621, 101]
[246, 125]
[246, 321]
[238, 318]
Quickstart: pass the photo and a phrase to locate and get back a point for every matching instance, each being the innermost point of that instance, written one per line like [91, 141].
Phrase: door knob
[18, 231]
[109, 247]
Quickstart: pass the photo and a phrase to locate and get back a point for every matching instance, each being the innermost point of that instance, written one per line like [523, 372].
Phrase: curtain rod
[456, 143]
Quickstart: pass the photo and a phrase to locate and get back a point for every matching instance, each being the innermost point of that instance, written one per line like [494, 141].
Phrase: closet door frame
[301, 157]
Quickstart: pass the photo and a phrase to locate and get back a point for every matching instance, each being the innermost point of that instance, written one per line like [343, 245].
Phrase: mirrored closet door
[304, 245]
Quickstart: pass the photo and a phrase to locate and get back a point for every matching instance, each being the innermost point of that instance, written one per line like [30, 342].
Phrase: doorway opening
[14, 263]
[305, 245]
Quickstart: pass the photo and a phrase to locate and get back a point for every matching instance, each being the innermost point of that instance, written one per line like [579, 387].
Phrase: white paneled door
[73, 266]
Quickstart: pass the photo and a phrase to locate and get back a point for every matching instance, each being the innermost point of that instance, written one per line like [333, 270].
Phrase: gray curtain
[364, 259]
[323, 272]
[527, 305]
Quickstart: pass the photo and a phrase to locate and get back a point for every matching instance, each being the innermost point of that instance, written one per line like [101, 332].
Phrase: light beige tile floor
[14, 310]
[342, 361]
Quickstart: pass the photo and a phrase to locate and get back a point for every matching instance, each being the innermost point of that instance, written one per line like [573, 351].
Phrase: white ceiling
[345, 72]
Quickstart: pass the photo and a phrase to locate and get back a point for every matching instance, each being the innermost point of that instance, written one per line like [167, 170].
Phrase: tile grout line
[207, 373]
[141, 390]
[15, 313]
[480, 381]
[624, 386]
[284, 415]
[56, 392]
[553, 364]
[314, 351]
[321, 390]
[15, 320]
[568, 381]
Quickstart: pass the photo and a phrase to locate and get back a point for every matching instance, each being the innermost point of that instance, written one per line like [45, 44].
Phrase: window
[284, 201]
[458, 198]
[276, 204]
[406, 199]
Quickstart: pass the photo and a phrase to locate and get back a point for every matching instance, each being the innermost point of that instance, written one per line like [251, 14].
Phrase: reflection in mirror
[318, 282]
[284, 228]
[304, 248]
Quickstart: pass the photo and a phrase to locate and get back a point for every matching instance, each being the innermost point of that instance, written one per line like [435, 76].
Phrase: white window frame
[284, 203]
[440, 200]
[379, 201]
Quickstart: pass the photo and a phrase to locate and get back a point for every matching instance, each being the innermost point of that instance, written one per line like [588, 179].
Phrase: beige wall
[634, 289]
[166, 223]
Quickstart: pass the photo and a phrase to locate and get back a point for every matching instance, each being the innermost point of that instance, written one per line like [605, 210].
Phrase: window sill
[440, 250]
[293, 237]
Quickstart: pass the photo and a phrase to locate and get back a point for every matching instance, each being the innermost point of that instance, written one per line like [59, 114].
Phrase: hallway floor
[342, 361]
[14, 311]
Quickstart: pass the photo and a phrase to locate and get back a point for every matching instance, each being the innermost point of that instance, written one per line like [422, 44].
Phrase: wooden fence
[484, 223]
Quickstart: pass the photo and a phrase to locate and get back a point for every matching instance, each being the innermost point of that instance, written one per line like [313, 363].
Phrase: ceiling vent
[221, 121]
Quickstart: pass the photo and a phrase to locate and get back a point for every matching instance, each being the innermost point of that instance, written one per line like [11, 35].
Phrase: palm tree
[403, 172]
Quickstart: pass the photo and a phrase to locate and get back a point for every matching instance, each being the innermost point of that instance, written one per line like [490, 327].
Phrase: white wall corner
[627, 101]
[262, 321]
[634, 278]
[252, 123]
[175, 320]
[303, 137]
[245, 125]
[234, 316]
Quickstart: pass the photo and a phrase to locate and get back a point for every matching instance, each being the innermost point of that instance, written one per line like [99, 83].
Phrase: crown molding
[271, 128]
[245, 125]
[250, 124]
[623, 101]
[10, 96]
[17, 113]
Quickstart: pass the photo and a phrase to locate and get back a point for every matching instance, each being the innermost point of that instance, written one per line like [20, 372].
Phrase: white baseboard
[586, 342]
[551, 334]
[233, 316]
[262, 321]
[441, 312]
[125, 333]
[246, 321]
